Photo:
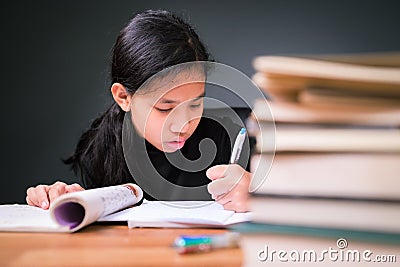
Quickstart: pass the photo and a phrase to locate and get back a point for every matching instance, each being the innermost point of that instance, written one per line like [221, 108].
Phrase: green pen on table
[203, 243]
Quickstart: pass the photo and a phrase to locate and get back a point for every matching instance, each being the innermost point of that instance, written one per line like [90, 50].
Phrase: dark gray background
[54, 58]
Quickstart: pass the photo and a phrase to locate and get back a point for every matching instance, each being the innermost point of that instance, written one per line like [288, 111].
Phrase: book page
[17, 217]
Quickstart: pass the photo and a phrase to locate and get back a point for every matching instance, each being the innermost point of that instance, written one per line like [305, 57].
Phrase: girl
[168, 121]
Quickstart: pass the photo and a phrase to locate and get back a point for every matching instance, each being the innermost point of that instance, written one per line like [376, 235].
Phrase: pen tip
[242, 131]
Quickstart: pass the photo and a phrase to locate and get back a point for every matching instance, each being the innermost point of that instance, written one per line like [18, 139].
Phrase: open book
[72, 211]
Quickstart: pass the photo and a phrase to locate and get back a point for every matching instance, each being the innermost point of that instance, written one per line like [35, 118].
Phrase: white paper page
[178, 214]
[27, 218]
[239, 217]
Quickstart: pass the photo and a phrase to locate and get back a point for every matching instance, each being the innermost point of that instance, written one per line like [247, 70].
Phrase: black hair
[151, 42]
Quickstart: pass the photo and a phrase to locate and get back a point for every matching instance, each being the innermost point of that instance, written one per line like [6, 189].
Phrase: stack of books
[336, 166]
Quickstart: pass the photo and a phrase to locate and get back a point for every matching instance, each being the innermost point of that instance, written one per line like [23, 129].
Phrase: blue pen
[204, 243]
[237, 147]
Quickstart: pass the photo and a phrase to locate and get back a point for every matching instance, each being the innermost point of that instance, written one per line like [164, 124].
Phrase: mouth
[178, 144]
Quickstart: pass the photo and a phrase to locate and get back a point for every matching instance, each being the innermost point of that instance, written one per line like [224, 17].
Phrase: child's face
[167, 118]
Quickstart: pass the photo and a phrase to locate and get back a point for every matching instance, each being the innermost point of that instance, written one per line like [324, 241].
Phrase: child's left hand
[230, 186]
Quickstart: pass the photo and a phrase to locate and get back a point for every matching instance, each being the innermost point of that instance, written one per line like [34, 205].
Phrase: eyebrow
[170, 101]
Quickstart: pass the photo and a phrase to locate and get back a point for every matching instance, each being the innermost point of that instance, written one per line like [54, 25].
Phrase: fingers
[217, 172]
[220, 186]
[229, 186]
[56, 190]
[224, 178]
[29, 201]
[43, 195]
[223, 199]
[73, 188]
[236, 206]
[235, 200]
[37, 196]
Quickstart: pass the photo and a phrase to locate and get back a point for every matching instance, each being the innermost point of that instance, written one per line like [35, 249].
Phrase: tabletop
[110, 245]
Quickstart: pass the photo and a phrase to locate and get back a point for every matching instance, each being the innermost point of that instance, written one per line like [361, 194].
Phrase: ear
[121, 96]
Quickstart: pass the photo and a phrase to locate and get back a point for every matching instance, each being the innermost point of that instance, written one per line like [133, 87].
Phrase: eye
[162, 110]
[195, 106]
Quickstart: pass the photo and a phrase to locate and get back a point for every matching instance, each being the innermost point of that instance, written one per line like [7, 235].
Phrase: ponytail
[98, 158]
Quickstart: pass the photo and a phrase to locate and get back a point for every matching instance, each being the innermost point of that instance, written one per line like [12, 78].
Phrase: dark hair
[151, 42]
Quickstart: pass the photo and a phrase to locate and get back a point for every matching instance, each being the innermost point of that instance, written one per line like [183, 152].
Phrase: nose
[180, 122]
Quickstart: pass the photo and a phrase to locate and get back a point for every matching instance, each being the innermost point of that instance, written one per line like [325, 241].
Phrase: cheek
[139, 113]
[138, 121]
[154, 127]
[194, 123]
[147, 123]
[196, 118]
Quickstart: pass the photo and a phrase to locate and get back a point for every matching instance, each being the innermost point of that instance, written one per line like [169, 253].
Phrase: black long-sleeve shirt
[181, 175]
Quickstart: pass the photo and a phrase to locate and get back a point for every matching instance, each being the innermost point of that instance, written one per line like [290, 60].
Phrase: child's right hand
[42, 195]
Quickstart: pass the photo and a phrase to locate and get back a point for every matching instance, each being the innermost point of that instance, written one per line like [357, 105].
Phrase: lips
[177, 144]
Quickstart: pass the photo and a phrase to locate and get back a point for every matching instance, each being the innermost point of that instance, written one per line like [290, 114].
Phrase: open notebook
[185, 214]
[178, 214]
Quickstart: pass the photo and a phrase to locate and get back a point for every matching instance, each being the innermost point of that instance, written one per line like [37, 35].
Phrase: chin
[169, 150]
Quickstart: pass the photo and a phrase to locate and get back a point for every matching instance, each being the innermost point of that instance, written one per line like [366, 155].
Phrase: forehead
[177, 88]
[182, 93]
